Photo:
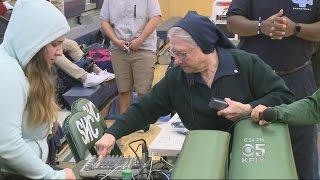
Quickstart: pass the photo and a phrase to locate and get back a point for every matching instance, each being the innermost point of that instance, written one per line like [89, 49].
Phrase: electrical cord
[135, 153]
[144, 150]
[235, 122]
[150, 167]
[110, 172]
[166, 162]
[166, 167]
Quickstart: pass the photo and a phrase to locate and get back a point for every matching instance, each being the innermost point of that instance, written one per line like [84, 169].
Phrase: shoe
[93, 80]
[106, 74]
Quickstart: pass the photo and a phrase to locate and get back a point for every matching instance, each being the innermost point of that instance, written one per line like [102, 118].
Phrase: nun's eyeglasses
[180, 54]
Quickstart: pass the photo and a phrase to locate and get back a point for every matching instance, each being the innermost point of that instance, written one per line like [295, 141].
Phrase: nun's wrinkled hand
[235, 110]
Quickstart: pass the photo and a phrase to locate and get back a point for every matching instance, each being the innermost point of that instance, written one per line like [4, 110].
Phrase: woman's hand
[69, 174]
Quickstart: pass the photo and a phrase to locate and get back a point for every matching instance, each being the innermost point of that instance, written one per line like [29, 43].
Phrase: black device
[268, 115]
[111, 166]
[217, 104]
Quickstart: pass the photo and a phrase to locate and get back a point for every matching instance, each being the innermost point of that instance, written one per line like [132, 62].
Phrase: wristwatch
[259, 25]
[297, 29]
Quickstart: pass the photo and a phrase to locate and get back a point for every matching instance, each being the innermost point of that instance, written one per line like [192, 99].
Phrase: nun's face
[189, 58]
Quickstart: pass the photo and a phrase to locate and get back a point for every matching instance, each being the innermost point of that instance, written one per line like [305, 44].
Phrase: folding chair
[82, 132]
[85, 105]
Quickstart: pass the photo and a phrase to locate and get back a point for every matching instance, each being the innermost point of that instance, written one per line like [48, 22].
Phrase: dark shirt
[241, 76]
[285, 54]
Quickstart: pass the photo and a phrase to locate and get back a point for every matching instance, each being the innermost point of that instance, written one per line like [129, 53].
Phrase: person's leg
[143, 66]
[70, 68]
[76, 72]
[125, 100]
[72, 48]
[304, 138]
[143, 72]
[304, 149]
[316, 65]
[121, 62]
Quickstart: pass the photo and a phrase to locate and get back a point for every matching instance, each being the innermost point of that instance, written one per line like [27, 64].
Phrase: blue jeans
[304, 138]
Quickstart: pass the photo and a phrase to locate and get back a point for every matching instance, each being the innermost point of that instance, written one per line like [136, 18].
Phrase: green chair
[82, 132]
[261, 152]
[204, 155]
[86, 105]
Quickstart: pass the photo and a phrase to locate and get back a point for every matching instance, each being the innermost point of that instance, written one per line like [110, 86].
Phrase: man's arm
[276, 26]
[303, 112]
[310, 32]
[106, 26]
[148, 29]
[242, 26]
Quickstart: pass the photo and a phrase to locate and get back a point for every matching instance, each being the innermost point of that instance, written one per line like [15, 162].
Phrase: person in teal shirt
[32, 41]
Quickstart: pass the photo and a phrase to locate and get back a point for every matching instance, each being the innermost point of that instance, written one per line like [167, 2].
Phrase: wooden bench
[86, 34]
[3, 26]
[99, 3]
[74, 8]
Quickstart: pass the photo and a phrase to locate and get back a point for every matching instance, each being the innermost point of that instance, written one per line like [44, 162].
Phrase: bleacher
[3, 26]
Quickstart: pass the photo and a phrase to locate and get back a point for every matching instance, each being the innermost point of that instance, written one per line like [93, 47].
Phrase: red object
[3, 9]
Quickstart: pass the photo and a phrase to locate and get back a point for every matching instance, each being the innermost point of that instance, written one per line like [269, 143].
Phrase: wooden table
[147, 136]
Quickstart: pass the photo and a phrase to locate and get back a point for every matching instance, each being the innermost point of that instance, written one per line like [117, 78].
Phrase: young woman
[32, 41]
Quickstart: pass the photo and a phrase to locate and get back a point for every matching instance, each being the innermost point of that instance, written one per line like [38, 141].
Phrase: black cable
[168, 168]
[144, 150]
[235, 122]
[191, 83]
[135, 153]
[138, 147]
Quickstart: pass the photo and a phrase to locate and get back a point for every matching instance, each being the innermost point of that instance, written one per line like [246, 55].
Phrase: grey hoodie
[33, 24]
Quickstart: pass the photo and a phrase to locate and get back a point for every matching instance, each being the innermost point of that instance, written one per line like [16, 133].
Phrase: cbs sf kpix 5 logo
[253, 150]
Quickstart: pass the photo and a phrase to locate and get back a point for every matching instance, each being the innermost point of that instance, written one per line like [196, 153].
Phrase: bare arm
[242, 26]
[310, 32]
[148, 29]
[106, 26]
[108, 30]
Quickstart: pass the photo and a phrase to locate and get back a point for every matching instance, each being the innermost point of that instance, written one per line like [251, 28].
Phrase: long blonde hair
[41, 105]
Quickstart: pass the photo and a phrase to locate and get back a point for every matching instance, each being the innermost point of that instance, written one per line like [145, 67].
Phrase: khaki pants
[71, 48]
[133, 70]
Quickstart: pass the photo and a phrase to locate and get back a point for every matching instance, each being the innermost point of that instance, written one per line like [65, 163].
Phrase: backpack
[100, 54]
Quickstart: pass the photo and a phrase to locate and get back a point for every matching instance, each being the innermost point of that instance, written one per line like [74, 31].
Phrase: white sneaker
[93, 80]
[106, 74]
